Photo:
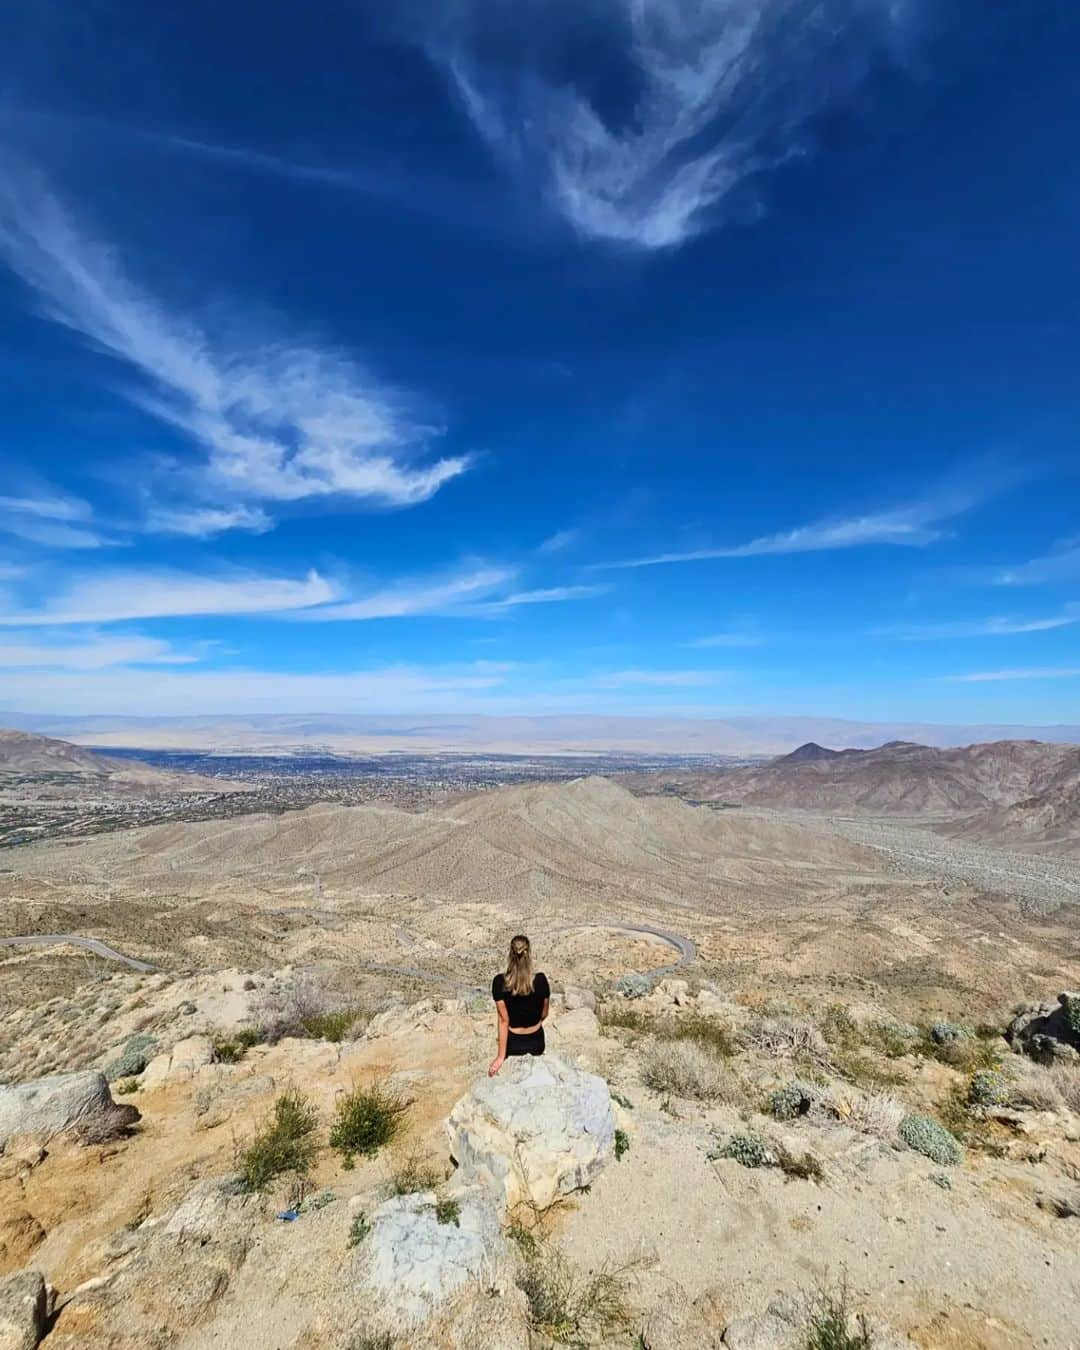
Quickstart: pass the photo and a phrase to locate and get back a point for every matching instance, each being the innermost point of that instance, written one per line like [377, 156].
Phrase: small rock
[25, 1306]
[764, 1332]
[575, 997]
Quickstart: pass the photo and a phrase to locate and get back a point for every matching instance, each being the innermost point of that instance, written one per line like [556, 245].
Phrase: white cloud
[426, 596]
[277, 423]
[1031, 673]
[560, 540]
[725, 89]
[551, 595]
[727, 640]
[619, 679]
[912, 526]
[123, 594]
[1062, 564]
[993, 627]
[201, 522]
[166, 693]
[92, 653]
[51, 521]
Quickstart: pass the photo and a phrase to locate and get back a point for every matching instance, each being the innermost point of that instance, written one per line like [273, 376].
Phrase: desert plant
[876, 1113]
[136, 1054]
[622, 1144]
[948, 1033]
[568, 1308]
[227, 1050]
[126, 1086]
[798, 1166]
[932, 1140]
[987, 1087]
[334, 1026]
[414, 1173]
[364, 1120]
[448, 1210]
[830, 1325]
[1066, 1079]
[359, 1229]
[793, 1037]
[1072, 1011]
[286, 1143]
[789, 1101]
[382, 1341]
[838, 1026]
[284, 1008]
[746, 1149]
[689, 1069]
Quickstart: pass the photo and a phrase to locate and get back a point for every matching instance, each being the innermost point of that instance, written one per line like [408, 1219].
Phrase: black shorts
[530, 1044]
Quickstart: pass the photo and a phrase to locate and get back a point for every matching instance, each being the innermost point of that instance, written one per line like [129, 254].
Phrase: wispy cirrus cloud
[912, 526]
[1028, 673]
[545, 596]
[93, 652]
[726, 89]
[427, 595]
[998, 626]
[1060, 564]
[733, 639]
[622, 679]
[117, 595]
[51, 521]
[276, 423]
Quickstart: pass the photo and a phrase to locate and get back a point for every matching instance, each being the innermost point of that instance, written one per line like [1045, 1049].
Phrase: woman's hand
[495, 1065]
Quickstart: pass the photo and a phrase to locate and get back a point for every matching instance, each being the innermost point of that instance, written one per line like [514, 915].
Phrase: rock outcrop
[1048, 1031]
[418, 1258]
[540, 1129]
[25, 1305]
[65, 1101]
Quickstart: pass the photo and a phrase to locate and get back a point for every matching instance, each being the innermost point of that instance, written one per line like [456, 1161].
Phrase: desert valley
[817, 995]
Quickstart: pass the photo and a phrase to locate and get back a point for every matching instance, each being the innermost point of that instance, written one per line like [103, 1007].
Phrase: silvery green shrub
[930, 1139]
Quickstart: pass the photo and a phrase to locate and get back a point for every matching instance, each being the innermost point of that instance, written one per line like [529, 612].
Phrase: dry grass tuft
[690, 1069]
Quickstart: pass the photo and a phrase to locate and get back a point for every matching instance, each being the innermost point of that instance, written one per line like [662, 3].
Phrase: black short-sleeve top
[523, 1010]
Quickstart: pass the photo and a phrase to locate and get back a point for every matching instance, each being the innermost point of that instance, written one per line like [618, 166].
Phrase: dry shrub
[1066, 1079]
[794, 1037]
[568, 1308]
[690, 1069]
[284, 1009]
[876, 1113]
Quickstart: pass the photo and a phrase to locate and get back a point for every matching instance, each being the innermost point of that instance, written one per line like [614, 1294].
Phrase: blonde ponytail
[519, 967]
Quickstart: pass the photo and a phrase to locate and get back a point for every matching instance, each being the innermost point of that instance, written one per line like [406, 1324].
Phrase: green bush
[622, 1144]
[286, 1143]
[227, 1050]
[987, 1087]
[448, 1210]
[831, 1327]
[930, 1139]
[414, 1173]
[746, 1149]
[136, 1054]
[788, 1101]
[947, 1033]
[126, 1086]
[365, 1119]
[332, 1026]
[359, 1229]
[570, 1309]
[1072, 1011]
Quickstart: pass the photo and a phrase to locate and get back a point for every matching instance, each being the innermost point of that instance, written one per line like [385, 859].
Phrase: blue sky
[615, 355]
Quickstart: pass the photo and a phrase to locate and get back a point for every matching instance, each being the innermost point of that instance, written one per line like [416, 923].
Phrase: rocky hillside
[679, 1170]
[1025, 791]
[41, 767]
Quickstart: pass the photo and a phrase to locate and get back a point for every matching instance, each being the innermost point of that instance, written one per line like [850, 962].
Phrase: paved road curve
[72, 940]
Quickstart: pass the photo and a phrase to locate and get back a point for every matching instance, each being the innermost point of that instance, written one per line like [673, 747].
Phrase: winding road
[683, 945]
[73, 940]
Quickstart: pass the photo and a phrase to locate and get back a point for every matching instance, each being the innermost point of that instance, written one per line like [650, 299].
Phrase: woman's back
[524, 1010]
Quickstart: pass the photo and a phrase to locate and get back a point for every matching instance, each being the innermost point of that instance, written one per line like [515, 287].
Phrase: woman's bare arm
[502, 1021]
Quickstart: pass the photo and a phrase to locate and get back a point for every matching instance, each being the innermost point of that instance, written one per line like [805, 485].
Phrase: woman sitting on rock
[521, 1004]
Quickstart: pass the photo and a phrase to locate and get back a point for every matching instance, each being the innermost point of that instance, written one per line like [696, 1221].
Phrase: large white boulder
[181, 1063]
[62, 1101]
[410, 1266]
[539, 1129]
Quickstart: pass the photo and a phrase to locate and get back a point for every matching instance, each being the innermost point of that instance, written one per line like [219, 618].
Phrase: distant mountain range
[1018, 791]
[743, 737]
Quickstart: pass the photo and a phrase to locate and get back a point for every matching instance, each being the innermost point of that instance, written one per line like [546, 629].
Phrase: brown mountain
[41, 767]
[1024, 791]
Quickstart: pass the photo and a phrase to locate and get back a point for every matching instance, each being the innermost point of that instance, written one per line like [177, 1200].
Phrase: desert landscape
[820, 1011]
